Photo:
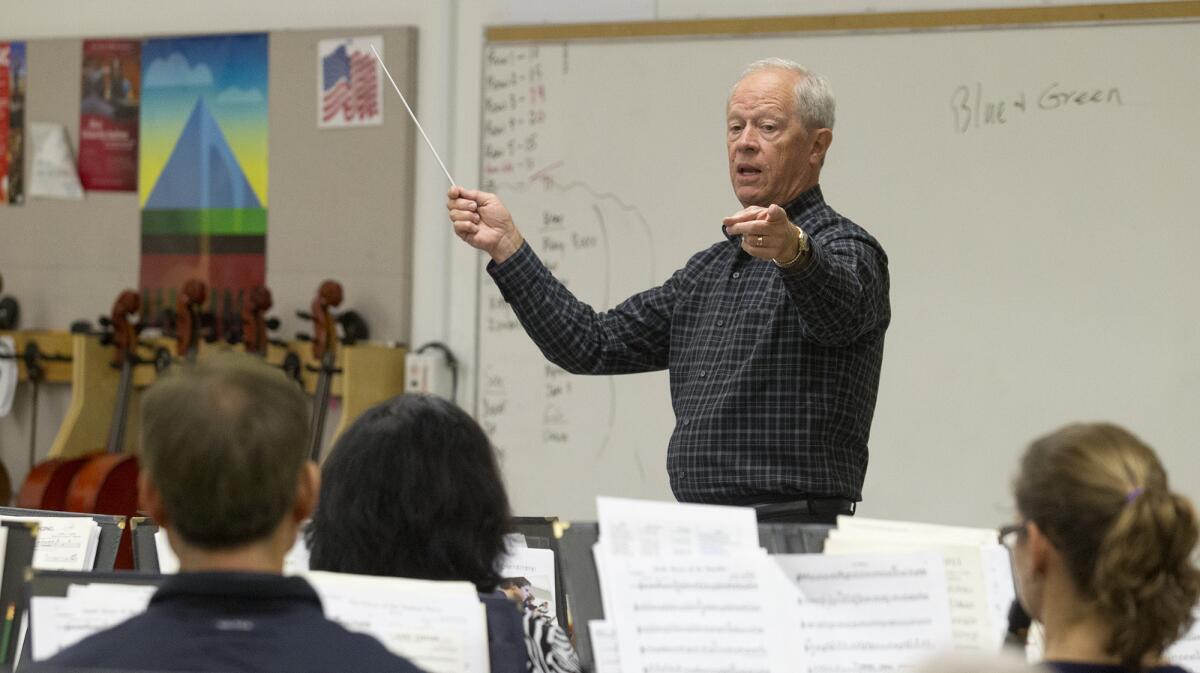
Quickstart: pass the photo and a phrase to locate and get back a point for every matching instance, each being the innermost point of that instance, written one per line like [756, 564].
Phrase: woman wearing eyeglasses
[1103, 554]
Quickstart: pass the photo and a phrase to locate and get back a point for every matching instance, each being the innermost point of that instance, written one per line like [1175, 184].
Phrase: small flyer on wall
[13, 75]
[349, 83]
[108, 115]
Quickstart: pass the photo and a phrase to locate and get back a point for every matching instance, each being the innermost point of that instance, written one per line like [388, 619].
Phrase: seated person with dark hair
[412, 489]
[225, 470]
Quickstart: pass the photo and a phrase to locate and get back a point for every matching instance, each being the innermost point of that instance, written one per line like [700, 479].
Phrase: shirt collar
[796, 209]
[238, 586]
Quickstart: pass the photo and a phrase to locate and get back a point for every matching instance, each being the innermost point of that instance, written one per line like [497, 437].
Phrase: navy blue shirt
[235, 623]
[774, 372]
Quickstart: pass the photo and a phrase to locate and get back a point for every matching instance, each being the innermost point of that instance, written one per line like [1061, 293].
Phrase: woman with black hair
[413, 489]
[1103, 551]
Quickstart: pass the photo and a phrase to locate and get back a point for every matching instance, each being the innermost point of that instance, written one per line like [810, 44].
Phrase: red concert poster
[108, 115]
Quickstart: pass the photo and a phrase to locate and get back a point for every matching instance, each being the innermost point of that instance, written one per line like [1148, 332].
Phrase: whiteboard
[1034, 189]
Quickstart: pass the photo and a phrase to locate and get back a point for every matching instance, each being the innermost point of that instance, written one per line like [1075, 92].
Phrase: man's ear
[308, 488]
[150, 500]
[822, 139]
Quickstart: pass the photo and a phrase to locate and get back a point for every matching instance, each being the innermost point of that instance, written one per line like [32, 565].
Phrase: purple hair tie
[1132, 495]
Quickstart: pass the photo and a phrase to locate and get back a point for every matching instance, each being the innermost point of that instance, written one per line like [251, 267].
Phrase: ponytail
[1102, 498]
[1144, 580]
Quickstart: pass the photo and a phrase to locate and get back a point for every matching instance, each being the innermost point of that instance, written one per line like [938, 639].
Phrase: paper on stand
[294, 563]
[1185, 653]
[606, 657]
[57, 622]
[868, 612]
[63, 542]
[712, 614]
[651, 529]
[439, 626]
[978, 594]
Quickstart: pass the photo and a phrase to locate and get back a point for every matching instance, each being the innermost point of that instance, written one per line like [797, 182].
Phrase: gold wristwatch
[801, 252]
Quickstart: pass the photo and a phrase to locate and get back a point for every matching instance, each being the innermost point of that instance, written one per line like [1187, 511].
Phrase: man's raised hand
[482, 221]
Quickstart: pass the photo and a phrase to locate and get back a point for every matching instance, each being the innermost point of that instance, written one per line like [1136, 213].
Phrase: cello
[49, 482]
[107, 483]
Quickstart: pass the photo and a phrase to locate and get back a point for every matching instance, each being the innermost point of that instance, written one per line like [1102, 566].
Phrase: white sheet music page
[924, 531]
[606, 657]
[974, 621]
[650, 529]
[294, 563]
[57, 622]
[439, 626]
[168, 562]
[869, 612]
[698, 614]
[1185, 653]
[63, 542]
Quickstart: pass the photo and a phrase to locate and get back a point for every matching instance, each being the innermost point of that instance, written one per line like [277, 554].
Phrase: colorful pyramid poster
[202, 168]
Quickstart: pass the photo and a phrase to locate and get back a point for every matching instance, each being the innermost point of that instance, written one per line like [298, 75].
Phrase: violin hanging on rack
[324, 350]
[188, 318]
[254, 321]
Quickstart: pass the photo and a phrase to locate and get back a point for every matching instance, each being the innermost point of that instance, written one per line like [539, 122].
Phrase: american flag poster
[349, 83]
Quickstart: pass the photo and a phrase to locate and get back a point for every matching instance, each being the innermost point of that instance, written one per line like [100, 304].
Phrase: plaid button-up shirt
[774, 372]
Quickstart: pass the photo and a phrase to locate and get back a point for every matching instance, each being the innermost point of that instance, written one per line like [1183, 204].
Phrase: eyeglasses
[1010, 534]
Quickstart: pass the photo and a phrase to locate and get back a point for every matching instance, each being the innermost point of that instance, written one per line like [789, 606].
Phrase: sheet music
[294, 563]
[974, 625]
[646, 528]
[57, 622]
[606, 658]
[999, 584]
[872, 612]
[1185, 652]
[701, 615]
[63, 542]
[537, 566]
[168, 562]
[924, 531]
[3, 553]
[439, 626]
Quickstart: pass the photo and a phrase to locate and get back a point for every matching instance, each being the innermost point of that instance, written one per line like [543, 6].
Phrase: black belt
[807, 506]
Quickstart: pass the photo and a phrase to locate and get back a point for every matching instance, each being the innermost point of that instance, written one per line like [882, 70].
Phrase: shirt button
[682, 476]
[737, 274]
[703, 374]
[720, 323]
[687, 421]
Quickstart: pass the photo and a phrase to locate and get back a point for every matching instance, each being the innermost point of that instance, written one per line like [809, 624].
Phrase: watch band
[801, 252]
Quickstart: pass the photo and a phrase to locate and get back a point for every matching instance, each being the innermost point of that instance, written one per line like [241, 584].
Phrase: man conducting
[773, 336]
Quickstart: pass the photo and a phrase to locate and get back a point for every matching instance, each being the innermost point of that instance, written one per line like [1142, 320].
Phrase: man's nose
[747, 140]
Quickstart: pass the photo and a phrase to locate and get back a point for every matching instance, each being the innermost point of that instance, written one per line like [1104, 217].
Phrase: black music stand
[142, 530]
[582, 584]
[57, 582]
[18, 557]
